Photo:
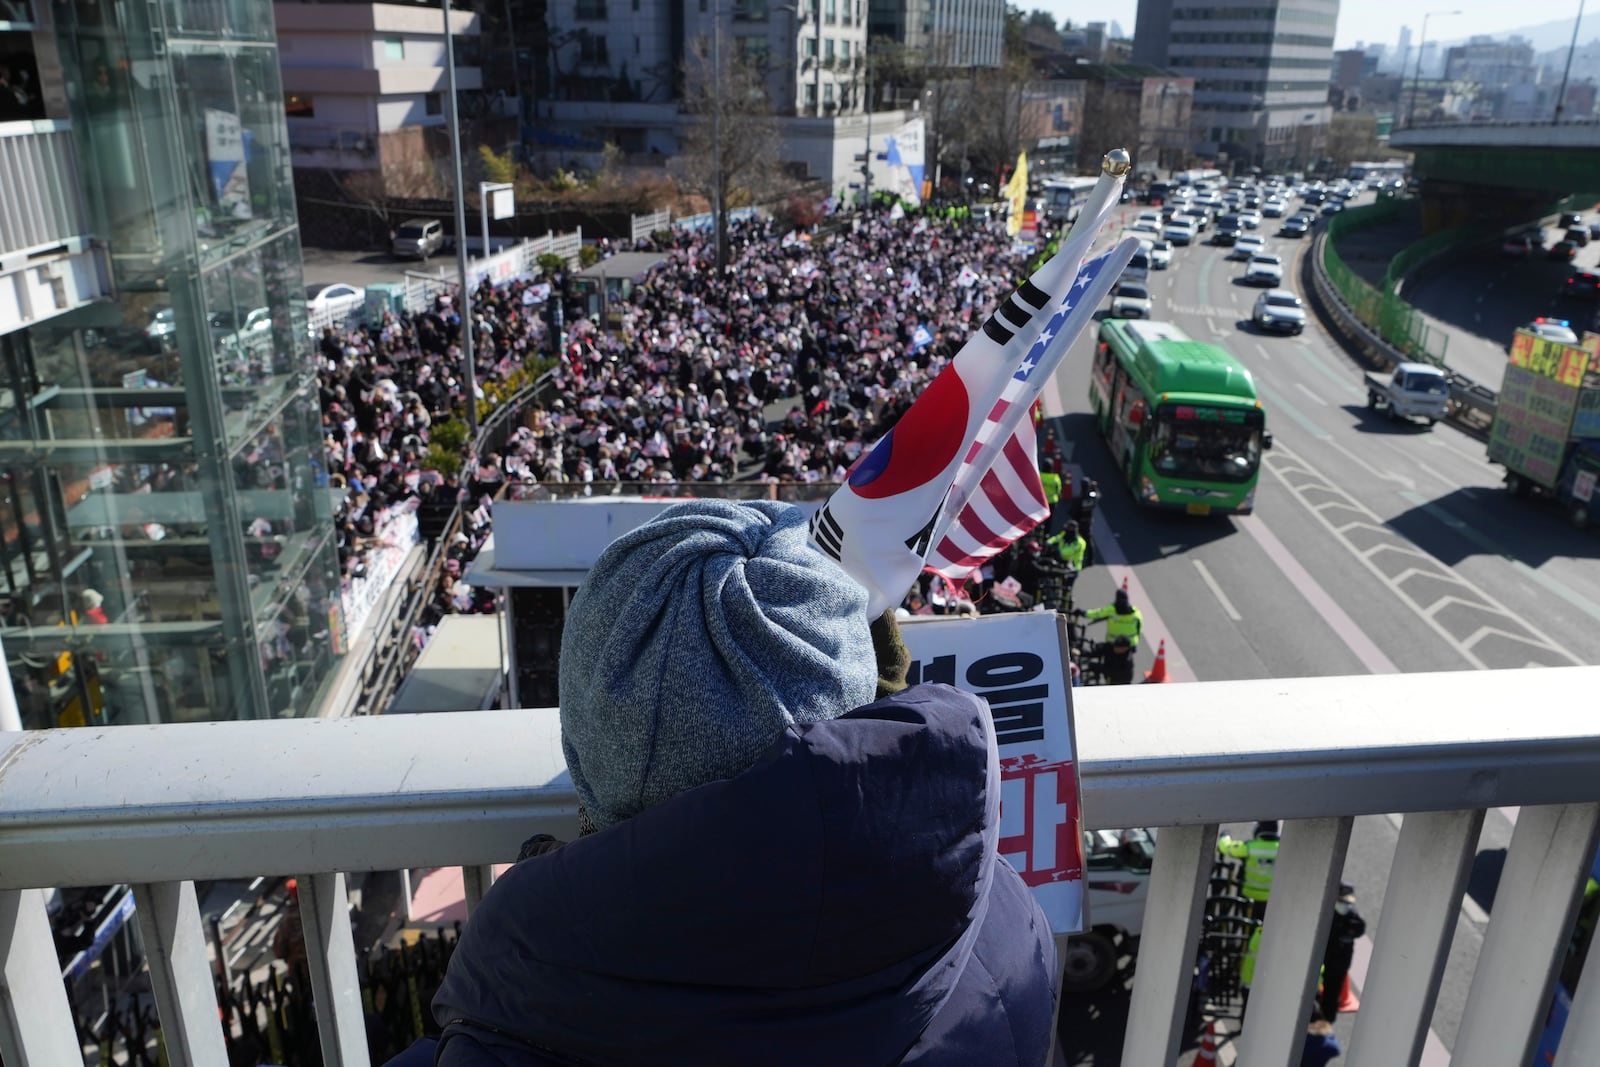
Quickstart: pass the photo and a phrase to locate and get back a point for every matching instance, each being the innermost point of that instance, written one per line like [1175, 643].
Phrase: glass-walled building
[166, 535]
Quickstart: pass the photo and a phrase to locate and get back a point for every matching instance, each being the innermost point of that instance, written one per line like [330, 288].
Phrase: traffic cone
[1124, 583]
[1158, 673]
[1207, 1056]
[1348, 1001]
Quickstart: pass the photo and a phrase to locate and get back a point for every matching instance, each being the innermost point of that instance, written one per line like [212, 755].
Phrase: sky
[1373, 20]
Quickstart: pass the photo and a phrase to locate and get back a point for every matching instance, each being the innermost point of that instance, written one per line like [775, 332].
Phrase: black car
[1578, 235]
[1562, 250]
[1295, 227]
[1584, 283]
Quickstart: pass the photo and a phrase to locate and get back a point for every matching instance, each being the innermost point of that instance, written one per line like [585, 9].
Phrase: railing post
[335, 980]
[1551, 848]
[36, 1028]
[1293, 936]
[475, 882]
[180, 977]
[1173, 911]
[1420, 909]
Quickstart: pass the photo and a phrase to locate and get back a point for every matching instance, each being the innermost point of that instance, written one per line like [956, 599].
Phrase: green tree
[497, 166]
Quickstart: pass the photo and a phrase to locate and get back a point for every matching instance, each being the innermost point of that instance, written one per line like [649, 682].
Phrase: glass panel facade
[166, 532]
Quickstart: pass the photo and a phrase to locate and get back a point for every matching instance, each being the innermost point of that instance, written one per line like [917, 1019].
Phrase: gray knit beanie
[694, 642]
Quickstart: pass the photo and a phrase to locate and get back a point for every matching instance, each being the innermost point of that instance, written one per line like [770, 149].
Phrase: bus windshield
[1183, 446]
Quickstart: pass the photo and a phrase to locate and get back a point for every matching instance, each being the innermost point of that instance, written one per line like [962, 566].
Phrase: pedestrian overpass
[1511, 171]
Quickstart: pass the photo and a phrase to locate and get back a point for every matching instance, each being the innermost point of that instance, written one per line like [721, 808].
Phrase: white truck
[1116, 880]
[1412, 391]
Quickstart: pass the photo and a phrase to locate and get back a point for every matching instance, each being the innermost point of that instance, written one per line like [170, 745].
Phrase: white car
[1250, 218]
[337, 299]
[1180, 231]
[1149, 216]
[1264, 270]
[1279, 310]
[1146, 228]
[230, 330]
[1248, 247]
[1197, 216]
[1130, 300]
[1273, 209]
[1161, 255]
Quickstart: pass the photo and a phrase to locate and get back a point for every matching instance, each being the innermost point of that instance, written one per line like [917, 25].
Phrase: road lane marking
[1280, 402]
[1213, 324]
[1343, 626]
[1490, 545]
[1340, 381]
[1314, 397]
[1216, 591]
[1116, 561]
[1387, 476]
[1284, 463]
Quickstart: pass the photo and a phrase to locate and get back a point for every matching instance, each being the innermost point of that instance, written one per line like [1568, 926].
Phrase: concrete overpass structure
[1512, 172]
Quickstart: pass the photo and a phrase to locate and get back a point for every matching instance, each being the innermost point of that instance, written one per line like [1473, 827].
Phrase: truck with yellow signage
[1546, 429]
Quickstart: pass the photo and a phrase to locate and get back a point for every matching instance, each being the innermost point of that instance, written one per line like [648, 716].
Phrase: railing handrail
[215, 800]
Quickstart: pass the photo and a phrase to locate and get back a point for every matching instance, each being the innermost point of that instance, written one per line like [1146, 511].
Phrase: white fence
[314, 798]
[645, 225]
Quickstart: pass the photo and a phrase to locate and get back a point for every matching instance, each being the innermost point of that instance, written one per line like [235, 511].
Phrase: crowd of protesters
[781, 367]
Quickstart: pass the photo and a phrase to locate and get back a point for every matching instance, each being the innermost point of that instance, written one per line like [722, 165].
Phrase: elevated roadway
[1508, 171]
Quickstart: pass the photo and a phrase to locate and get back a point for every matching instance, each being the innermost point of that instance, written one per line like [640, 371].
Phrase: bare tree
[730, 142]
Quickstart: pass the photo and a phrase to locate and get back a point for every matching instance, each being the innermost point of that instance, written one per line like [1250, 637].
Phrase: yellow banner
[1017, 193]
[1549, 359]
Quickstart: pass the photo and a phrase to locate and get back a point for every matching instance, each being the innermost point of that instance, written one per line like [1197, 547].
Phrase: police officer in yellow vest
[1121, 617]
[1260, 855]
[1071, 545]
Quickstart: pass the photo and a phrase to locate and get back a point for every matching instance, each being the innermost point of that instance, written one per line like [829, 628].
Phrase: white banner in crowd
[1018, 663]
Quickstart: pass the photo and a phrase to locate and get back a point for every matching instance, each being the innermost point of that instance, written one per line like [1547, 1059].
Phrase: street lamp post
[1416, 76]
[1561, 96]
[470, 369]
[718, 222]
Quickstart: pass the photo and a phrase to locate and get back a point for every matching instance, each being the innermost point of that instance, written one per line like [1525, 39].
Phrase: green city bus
[1181, 417]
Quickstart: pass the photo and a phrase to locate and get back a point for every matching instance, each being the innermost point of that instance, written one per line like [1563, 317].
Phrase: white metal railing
[519, 261]
[42, 204]
[162, 806]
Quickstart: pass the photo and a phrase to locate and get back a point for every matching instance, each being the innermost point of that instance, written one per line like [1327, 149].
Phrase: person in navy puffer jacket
[775, 869]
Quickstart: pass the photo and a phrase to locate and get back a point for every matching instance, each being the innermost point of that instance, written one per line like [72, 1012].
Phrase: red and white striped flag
[1009, 502]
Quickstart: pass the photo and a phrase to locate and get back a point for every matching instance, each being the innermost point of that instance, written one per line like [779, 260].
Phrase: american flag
[997, 496]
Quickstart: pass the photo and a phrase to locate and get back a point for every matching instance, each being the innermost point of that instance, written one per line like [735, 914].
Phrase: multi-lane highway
[1375, 547]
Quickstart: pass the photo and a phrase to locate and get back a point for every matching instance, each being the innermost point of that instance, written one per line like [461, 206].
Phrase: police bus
[1182, 418]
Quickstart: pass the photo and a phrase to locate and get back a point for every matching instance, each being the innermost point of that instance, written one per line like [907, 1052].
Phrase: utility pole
[465, 301]
[866, 159]
[718, 216]
[1561, 95]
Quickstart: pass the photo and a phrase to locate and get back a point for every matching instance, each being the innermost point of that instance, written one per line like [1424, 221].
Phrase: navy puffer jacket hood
[840, 902]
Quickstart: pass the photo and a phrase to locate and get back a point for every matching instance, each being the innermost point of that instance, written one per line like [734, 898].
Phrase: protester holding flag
[774, 868]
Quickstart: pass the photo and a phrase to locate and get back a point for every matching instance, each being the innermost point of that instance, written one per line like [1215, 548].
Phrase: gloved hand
[894, 659]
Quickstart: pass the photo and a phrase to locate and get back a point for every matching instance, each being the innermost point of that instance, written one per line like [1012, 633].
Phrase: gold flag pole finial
[1116, 163]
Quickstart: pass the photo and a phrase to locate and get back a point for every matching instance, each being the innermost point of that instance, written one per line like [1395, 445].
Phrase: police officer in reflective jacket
[1260, 855]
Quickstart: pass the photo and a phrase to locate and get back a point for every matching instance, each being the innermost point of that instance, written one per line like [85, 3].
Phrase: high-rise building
[1261, 74]
[956, 33]
[1402, 52]
[166, 537]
